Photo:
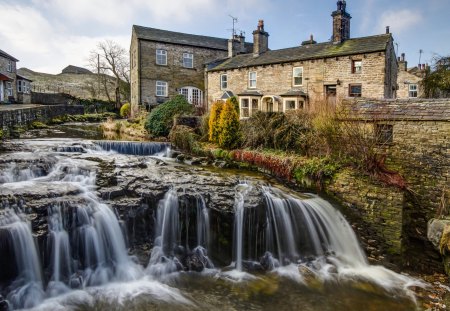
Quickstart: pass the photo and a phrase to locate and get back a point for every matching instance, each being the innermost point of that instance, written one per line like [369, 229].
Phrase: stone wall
[50, 98]
[317, 74]
[145, 75]
[420, 152]
[21, 117]
[376, 210]
[405, 78]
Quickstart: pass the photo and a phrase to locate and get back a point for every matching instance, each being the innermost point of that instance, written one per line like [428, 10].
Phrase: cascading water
[168, 249]
[301, 228]
[241, 191]
[26, 289]
[134, 148]
[84, 252]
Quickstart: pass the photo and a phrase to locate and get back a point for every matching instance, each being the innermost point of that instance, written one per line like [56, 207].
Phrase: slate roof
[153, 34]
[19, 77]
[6, 55]
[400, 110]
[313, 51]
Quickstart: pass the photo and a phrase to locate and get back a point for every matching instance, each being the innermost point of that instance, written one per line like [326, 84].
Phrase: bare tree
[109, 58]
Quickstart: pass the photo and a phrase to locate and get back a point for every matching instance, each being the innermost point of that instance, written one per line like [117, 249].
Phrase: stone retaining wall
[22, 117]
[420, 152]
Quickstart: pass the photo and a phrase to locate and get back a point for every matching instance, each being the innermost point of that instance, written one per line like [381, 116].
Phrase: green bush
[125, 110]
[214, 120]
[230, 134]
[317, 170]
[160, 119]
[184, 138]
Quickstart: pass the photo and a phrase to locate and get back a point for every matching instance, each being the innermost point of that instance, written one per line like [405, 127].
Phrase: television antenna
[420, 55]
[235, 20]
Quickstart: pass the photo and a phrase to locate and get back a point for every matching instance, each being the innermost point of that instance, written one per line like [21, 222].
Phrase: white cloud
[399, 20]
[28, 35]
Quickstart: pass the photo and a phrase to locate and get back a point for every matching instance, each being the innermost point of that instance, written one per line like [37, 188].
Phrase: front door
[2, 91]
[330, 91]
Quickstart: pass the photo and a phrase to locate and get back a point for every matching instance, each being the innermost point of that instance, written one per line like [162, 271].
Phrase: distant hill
[82, 85]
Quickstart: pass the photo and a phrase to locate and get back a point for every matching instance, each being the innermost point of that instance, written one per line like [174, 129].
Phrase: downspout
[139, 73]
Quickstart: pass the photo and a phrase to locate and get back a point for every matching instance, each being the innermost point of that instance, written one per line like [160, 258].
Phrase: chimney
[402, 63]
[236, 45]
[310, 41]
[387, 30]
[260, 39]
[341, 23]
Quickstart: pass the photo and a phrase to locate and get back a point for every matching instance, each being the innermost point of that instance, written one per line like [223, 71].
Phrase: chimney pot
[387, 30]
[403, 57]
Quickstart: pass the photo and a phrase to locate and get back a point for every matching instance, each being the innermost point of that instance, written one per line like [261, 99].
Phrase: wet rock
[76, 281]
[4, 306]
[268, 262]
[180, 158]
[435, 232]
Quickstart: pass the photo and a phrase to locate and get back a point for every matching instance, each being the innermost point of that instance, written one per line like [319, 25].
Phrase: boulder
[438, 233]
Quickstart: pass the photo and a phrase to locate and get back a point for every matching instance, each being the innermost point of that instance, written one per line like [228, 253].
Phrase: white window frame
[411, 90]
[297, 76]
[161, 55]
[223, 82]
[9, 88]
[252, 82]
[188, 57]
[9, 66]
[250, 109]
[161, 86]
[357, 69]
[285, 102]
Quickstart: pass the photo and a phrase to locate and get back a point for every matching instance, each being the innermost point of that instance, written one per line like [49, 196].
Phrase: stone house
[165, 63]
[13, 87]
[409, 79]
[302, 77]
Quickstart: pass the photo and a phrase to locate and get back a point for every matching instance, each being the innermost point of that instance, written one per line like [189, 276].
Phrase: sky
[48, 35]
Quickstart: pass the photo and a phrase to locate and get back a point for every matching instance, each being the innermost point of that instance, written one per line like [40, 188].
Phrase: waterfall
[241, 191]
[301, 228]
[168, 255]
[203, 238]
[134, 148]
[26, 289]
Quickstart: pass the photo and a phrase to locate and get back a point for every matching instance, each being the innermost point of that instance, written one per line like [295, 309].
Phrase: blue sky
[47, 35]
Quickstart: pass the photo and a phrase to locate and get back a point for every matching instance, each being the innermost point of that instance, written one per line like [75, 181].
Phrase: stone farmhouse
[165, 63]
[13, 87]
[206, 69]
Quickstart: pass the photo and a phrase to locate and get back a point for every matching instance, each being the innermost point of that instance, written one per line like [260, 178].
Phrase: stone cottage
[165, 63]
[302, 77]
[409, 79]
[13, 88]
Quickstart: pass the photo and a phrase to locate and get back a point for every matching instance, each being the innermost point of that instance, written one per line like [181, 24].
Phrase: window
[297, 76]
[10, 66]
[193, 95]
[355, 90]
[412, 90]
[9, 89]
[245, 112]
[252, 79]
[161, 88]
[161, 57]
[356, 66]
[188, 60]
[19, 86]
[384, 133]
[223, 82]
[255, 106]
[289, 105]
